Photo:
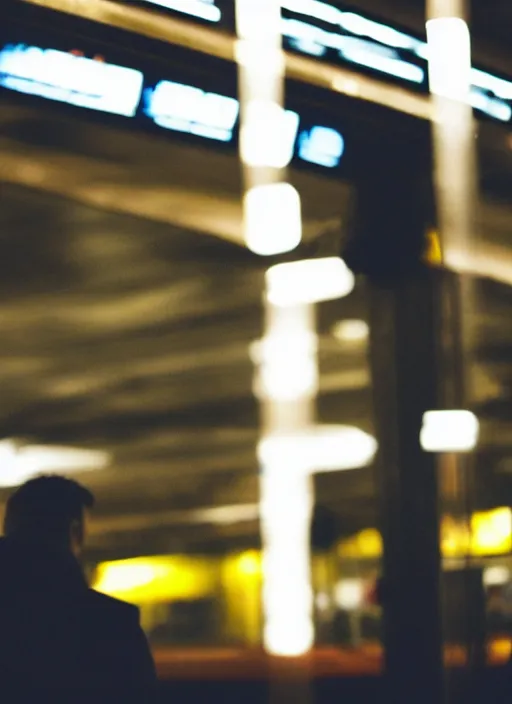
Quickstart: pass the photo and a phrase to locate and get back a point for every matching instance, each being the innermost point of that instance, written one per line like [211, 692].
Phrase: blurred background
[130, 306]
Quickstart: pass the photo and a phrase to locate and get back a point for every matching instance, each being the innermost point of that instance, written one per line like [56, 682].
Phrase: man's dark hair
[46, 507]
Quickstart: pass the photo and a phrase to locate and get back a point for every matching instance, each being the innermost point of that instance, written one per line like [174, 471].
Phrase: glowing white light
[319, 449]
[273, 221]
[449, 431]
[260, 61]
[184, 108]
[286, 507]
[351, 331]
[287, 365]
[449, 58]
[258, 21]
[57, 75]
[364, 52]
[203, 9]
[350, 22]
[268, 135]
[321, 145]
[382, 33]
[496, 576]
[313, 8]
[375, 45]
[309, 281]
[349, 594]
[19, 463]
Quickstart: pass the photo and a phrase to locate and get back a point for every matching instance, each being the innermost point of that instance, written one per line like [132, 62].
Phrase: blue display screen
[180, 107]
[67, 78]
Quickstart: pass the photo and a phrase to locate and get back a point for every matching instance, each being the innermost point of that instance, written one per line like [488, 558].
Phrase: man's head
[49, 509]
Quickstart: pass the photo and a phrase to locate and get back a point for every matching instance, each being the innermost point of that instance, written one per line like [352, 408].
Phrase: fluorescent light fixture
[268, 134]
[203, 9]
[286, 507]
[273, 222]
[58, 75]
[19, 463]
[309, 281]
[351, 331]
[322, 448]
[449, 431]
[184, 108]
[449, 51]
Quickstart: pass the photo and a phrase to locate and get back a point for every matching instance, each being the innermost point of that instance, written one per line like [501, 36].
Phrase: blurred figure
[59, 640]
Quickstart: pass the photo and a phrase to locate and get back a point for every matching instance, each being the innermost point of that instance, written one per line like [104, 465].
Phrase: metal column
[393, 210]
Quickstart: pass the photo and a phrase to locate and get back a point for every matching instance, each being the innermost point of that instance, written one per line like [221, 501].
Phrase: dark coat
[62, 642]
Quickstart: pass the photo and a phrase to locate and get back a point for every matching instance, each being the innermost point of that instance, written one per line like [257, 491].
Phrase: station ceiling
[127, 308]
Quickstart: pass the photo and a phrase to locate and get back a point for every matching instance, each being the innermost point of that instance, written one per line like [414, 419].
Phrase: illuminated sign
[339, 36]
[68, 78]
[184, 108]
[188, 109]
[321, 145]
[202, 9]
[92, 83]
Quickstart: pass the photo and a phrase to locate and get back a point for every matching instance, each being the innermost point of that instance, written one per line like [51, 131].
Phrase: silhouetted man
[59, 640]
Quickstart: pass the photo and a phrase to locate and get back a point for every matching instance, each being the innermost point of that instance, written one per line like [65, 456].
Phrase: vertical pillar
[403, 359]
[393, 211]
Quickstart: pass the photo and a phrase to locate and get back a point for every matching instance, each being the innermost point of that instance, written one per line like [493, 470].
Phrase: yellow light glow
[491, 532]
[365, 545]
[309, 281]
[249, 563]
[241, 580]
[152, 579]
[433, 253]
[273, 220]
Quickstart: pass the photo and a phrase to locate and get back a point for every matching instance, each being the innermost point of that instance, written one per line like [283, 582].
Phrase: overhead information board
[166, 102]
[334, 33]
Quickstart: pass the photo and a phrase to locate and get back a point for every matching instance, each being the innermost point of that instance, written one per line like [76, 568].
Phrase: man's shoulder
[110, 607]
